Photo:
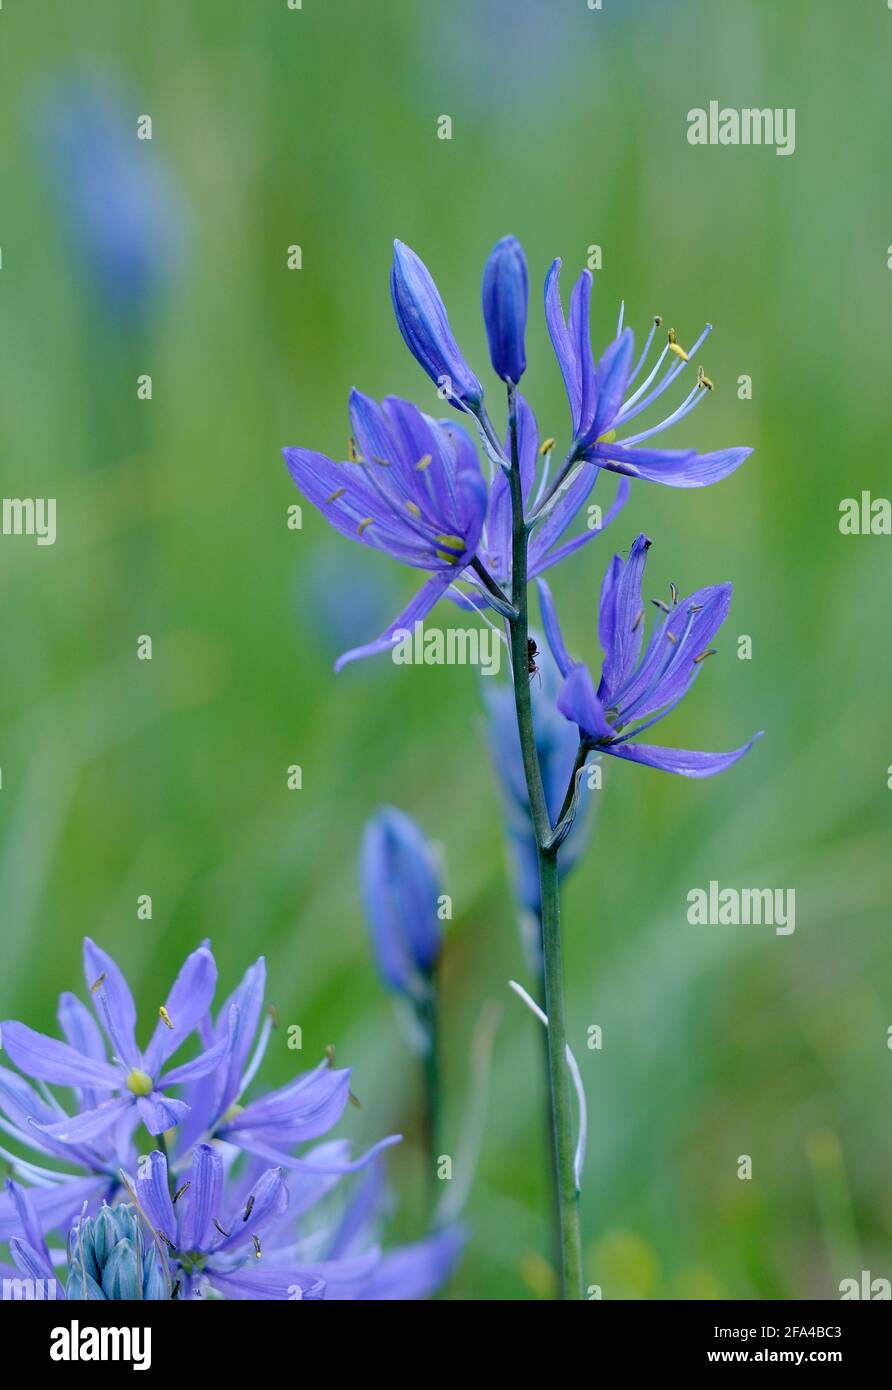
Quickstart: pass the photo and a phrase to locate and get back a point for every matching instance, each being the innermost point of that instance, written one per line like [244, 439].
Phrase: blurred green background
[318, 127]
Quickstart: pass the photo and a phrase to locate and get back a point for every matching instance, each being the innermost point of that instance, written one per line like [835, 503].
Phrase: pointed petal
[304, 1109]
[153, 1190]
[674, 467]
[202, 1202]
[540, 561]
[578, 702]
[54, 1205]
[683, 761]
[47, 1059]
[553, 634]
[205, 1062]
[113, 1002]
[613, 375]
[313, 1164]
[159, 1112]
[189, 1000]
[560, 340]
[581, 343]
[418, 1270]
[417, 609]
[626, 619]
[266, 1204]
[89, 1123]
[669, 664]
[262, 1283]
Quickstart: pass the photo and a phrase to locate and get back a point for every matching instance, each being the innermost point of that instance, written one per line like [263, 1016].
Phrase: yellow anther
[333, 496]
[424, 462]
[257, 1250]
[414, 508]
[165, 1018]
[546, 446]
[139, 1082]
[703, 380]
[450, 548]
[351, 451]
[704, 655]
[101, 980]
[607, 438]
[383, 463]
[366, 521]
[330, 1054]
[179, 1192]
[676, 347]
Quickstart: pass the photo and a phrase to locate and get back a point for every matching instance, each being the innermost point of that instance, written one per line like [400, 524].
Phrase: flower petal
[153, 1191]
[674, 467]
[560, 341]
[541, 561]
[261, 1282]
[578, 702]
[553, 634]
[89, 1123]
[160, 1112]
[203, 1200]
[189, 1000]
[613, 375]
[47, 1059]
[417, 609]
[113, 1002]
[683, 761]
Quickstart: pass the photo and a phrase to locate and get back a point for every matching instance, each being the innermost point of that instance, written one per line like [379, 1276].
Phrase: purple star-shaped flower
[415, 490]
[602, 402]
[636, 690]
[133, 1084]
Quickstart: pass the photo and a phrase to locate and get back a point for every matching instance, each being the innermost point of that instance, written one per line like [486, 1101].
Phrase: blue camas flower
[602, 402]
[223, 1208]
[133, 1085]
[505, 296]
[636, 690]
[414, 489]
[424, 324]
[400, 889]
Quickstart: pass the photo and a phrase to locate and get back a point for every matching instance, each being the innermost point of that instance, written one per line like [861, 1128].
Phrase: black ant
[532, 653]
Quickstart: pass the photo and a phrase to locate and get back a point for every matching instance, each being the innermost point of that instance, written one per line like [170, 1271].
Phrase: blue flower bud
[505, 297]
[400, 891]
[109, 1259]
[423, 322]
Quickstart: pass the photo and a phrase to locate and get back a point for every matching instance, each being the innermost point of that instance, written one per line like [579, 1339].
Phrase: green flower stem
[558, 1075]
[429, 1014]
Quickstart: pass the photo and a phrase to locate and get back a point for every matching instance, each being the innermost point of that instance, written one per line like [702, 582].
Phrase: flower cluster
[414, 487]
[231, 1204]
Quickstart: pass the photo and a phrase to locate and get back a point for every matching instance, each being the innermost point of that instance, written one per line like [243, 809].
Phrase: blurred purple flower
[400, 888]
